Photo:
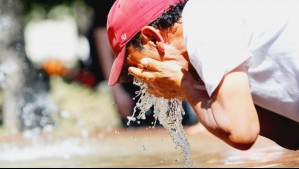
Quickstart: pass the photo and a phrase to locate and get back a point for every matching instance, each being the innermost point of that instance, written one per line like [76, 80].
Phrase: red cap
[125, 20]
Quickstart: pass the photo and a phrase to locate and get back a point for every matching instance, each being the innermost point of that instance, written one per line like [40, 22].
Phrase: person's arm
[103, 50]
[123, 100]
[229, 115]
[280, 129]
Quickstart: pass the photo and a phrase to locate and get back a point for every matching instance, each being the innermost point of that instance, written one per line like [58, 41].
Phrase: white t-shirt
[262, 34]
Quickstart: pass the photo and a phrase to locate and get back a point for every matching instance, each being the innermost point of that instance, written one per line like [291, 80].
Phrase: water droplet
[117, 132]
[143, 147]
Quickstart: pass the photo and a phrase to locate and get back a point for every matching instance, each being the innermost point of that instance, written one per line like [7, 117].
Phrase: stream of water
[169, 112]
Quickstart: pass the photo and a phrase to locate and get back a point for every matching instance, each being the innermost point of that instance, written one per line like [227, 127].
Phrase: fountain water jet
[25, 89]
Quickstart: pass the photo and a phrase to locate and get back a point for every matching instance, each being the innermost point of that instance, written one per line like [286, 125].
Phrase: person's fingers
[151, 64]
[141, 74]
[135, 71]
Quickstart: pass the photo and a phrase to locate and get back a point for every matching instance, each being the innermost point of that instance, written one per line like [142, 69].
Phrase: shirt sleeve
[215, 37]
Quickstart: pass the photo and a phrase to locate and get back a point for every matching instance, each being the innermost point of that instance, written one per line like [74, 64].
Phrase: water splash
[169, 112]
[2, 78]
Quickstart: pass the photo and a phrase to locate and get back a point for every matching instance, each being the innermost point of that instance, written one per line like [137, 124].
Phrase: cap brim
[117, 67]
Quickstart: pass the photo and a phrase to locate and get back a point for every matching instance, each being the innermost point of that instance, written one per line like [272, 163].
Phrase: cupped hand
[164, 79]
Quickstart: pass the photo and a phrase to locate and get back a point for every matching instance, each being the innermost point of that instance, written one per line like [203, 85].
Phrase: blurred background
[50, 74]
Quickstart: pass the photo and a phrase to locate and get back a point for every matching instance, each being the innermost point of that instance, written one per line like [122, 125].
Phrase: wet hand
[164, 79]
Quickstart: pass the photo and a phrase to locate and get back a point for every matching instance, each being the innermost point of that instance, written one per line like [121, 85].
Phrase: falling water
[169, 113]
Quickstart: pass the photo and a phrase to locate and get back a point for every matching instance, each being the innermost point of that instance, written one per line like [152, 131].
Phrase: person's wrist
[187, 86]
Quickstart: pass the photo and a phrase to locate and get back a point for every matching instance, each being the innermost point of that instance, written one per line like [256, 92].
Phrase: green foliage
[39, 10]
[54, 9]
[47, 5]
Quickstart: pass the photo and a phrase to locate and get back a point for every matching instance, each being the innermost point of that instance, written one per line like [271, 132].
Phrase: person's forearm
[212, 117]
[200, 102]
[103, 50]
[106, 57]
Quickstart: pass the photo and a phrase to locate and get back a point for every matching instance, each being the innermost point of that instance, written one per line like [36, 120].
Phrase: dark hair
[165, 21]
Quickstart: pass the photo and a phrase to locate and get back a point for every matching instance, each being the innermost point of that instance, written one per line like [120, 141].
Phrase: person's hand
[164, 79]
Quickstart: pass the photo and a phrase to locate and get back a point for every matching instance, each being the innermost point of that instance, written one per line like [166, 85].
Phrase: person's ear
[153, 36]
